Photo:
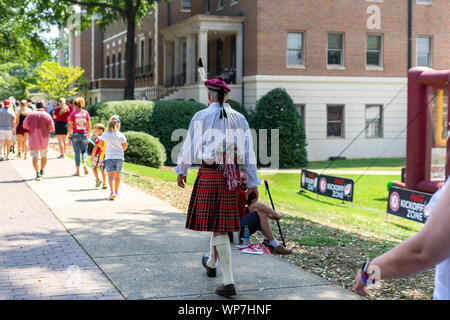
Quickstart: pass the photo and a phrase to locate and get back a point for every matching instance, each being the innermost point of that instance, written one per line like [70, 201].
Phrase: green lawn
[361, 164]
[366, 216]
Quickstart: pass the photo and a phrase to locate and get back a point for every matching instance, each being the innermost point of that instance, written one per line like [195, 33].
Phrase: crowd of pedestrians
[26, 128]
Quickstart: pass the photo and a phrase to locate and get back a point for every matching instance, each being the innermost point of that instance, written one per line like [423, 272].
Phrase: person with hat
[7, 125]
[221, 139]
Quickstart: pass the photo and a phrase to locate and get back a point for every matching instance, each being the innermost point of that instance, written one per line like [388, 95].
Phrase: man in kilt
[220, 138]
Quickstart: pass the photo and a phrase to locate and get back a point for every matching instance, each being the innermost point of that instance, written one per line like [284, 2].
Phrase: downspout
[410, 33]
[243, 64]
[156, 45]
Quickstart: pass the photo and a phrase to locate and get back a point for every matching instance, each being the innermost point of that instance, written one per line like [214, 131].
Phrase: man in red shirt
[40, 125]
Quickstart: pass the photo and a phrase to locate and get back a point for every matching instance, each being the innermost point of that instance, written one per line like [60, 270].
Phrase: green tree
[276, 110]
[16, 80]
[57, 81]
[20, 31]
[130, 11]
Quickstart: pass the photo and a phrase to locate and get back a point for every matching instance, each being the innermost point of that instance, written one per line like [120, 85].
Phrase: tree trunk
[130, 57]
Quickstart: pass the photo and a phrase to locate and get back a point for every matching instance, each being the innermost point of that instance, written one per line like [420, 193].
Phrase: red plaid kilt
[98, 163]
[213, 207]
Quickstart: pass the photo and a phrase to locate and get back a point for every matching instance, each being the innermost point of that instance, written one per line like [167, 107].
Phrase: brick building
[342, 61]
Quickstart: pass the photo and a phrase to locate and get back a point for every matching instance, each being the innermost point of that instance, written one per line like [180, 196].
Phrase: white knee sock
[212, 261]
[223, 248]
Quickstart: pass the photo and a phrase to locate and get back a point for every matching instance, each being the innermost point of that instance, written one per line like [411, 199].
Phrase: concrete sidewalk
[39, 259]
[141, 244]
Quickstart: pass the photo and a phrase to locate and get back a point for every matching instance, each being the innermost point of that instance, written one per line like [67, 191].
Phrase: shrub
[134, 115]
[168, 116]
[157, 118]
[239, 108]
[144, 149]
[276, 110]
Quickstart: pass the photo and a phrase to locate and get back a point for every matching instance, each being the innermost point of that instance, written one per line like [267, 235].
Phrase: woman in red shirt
[61, 115]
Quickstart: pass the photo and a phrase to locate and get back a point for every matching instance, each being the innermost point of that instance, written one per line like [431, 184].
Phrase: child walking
[115, 146]
[98, 154]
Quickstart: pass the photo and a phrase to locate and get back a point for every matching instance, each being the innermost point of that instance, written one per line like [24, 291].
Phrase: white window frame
[142, 52]
[300, 106]
[381, 122]
[337, 66]
[425, 2]
[220, 5]
[183, 9]
[430, 58]
[302, 64]
[342, 121]
[233, 2]
[380, 66]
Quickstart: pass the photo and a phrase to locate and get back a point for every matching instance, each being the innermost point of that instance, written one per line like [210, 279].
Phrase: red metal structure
[428, 146]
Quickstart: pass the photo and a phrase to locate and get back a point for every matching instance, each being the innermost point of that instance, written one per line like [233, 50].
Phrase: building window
[119, 67]
[374, 50]
[108, 70]
[142, 55]
[335, 121]
[336, 49]
[186, 5]
[301, 113]
[423, 51]
[183, 58]
[233, 51]
[219, 57]
[219, 4]
[135, 55]
[295, 55]
[374, 121]
[169, 13]
[429, 2]
[114, 66]
[207, 6]
[150, 52]
[233, 2]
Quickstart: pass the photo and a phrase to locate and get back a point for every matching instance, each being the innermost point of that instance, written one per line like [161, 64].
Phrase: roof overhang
[195, 24]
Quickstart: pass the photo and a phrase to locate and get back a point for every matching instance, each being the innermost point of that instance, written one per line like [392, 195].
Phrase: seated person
[256, 217]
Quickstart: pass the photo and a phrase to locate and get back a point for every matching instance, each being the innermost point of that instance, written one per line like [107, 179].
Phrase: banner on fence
[336, 188]
[408, 204]
[309, 180]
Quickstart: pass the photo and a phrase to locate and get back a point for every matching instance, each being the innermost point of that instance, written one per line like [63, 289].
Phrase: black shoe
[38, 177]
[226, 291]
[41, 173]
[210, 272]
